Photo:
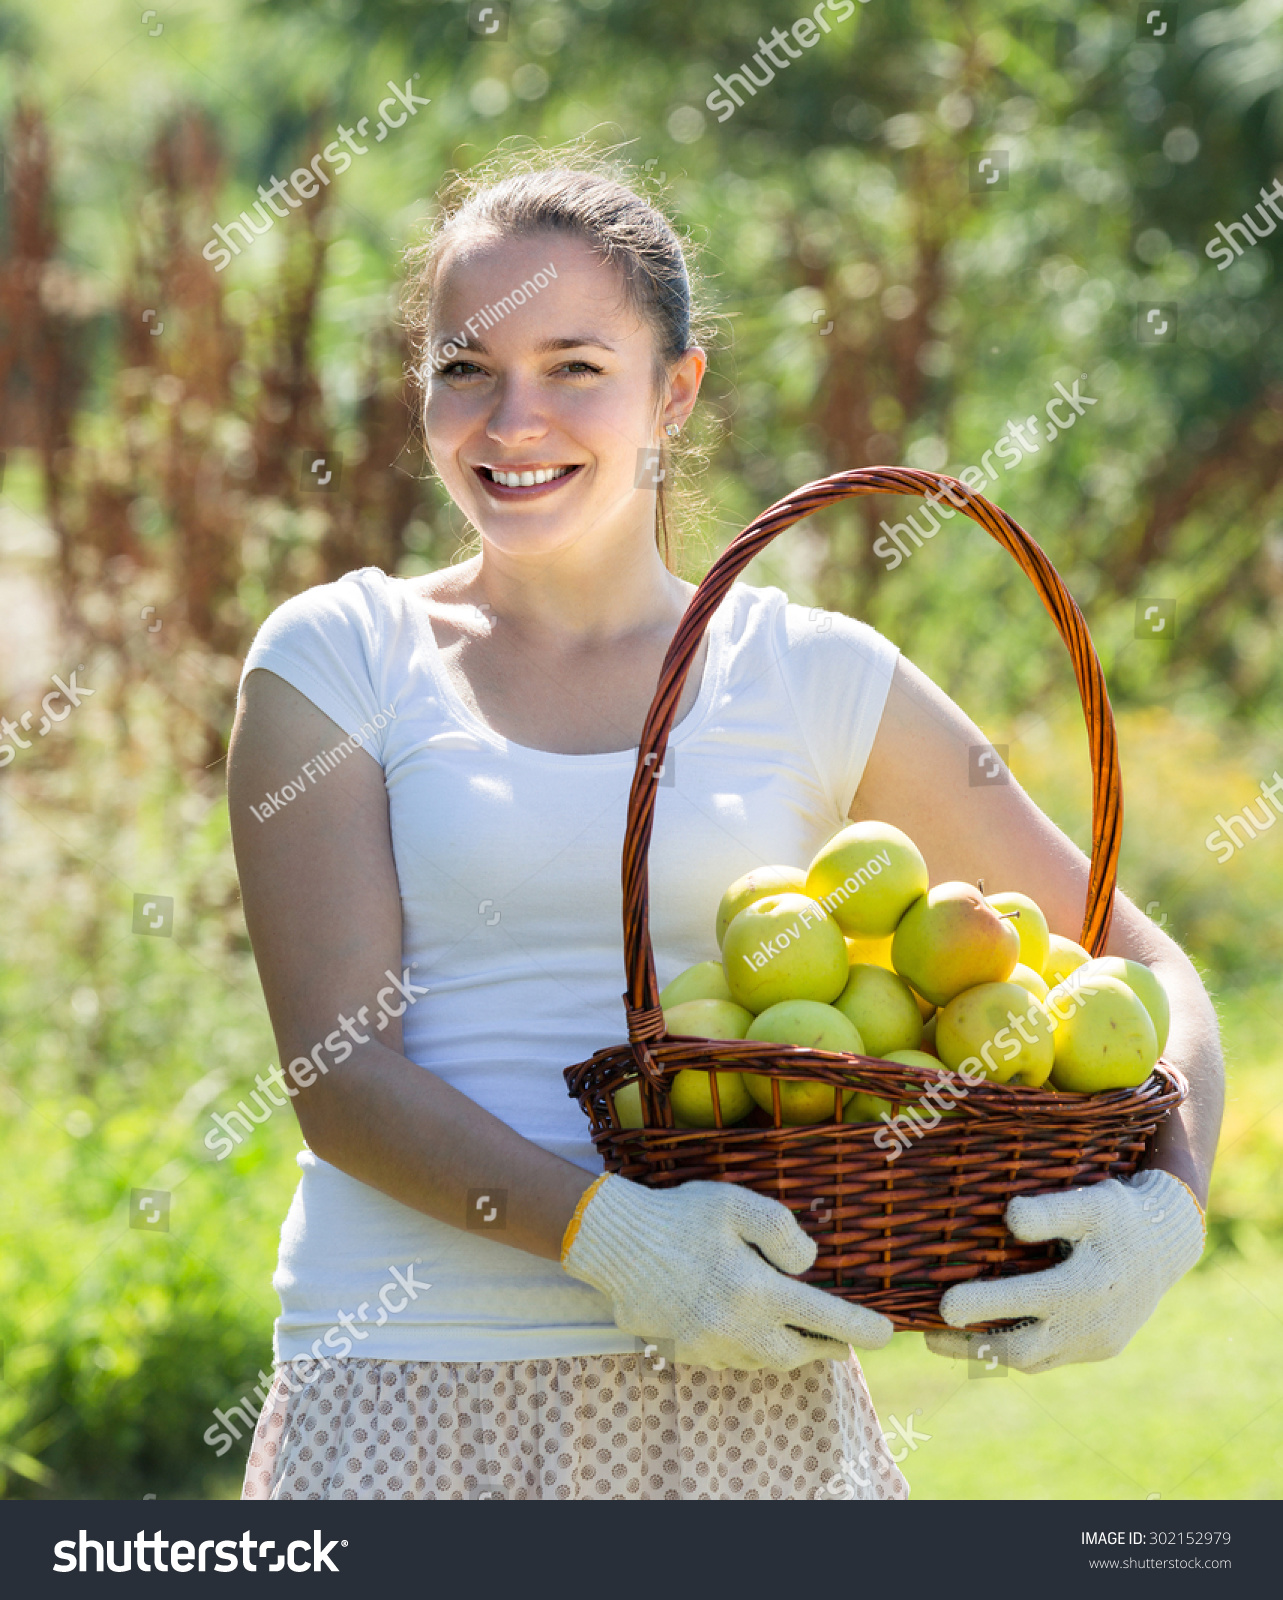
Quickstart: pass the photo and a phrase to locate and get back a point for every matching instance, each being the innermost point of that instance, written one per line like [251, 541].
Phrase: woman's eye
[459, 369]
[578, 368]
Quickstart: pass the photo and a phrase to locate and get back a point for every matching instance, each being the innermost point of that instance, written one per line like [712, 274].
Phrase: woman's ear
[684, 379]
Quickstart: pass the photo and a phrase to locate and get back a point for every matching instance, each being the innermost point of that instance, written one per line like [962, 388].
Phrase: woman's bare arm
[917, 778]
[323, 910]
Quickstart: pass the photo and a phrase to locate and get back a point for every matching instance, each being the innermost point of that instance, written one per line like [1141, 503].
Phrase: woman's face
[561, 388]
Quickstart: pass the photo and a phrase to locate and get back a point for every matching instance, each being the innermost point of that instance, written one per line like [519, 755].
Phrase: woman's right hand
[704, 1265]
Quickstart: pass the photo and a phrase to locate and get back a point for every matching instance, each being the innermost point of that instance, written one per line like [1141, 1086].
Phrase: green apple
[883, 1008]
[1031, 926]
[706, 980]
[998, 1017]
[919, 1058]
[810, 1024]
[868, 1107]
[915, 1058]
[951, 939]
[1104, 1037]
[816, 1027]
[928, 1039]
[628, 1106]
[925, 1009]
[708, 1019]
[691, 1097]
[756, 885]
[1027, 978]
[867, 876]
[783, 947]
[1143, 982]
[1063, 957]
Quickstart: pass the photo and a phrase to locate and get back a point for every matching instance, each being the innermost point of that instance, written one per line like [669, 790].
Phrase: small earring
[673, 429]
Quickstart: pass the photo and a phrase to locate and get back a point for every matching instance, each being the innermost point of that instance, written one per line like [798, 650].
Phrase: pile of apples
[859, 953]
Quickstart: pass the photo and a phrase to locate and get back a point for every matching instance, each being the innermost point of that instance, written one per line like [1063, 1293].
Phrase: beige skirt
[570, 1428]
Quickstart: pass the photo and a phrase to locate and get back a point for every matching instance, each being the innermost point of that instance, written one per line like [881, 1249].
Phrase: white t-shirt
[508, 860]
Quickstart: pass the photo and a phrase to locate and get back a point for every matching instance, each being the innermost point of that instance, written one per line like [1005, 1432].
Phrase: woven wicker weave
[893, 1232]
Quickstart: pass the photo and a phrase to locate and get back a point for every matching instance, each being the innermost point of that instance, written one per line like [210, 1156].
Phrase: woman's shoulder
[362, 598]
[764, 616]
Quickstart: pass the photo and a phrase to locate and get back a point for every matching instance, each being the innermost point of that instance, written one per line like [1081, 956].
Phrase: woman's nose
[516, 414]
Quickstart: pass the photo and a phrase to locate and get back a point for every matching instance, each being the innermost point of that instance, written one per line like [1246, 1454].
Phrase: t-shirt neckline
[714, 666]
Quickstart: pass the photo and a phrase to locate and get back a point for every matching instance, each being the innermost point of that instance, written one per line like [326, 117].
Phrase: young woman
[468, 1307]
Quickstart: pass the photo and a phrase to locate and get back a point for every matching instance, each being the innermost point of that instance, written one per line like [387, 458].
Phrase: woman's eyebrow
[547, 345]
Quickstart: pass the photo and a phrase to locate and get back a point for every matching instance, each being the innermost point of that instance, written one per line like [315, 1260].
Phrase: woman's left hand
[1130, 1241]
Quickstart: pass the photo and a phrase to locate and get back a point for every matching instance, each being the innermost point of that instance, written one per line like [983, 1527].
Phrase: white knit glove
[680, 1264]
[1131, 1241]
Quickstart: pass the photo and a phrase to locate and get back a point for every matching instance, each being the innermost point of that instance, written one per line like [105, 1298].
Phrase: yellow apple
[951, 939]
[817, 1027]
[998, 1017]
[1027, 978]
[706, 980]
[707, 1019]
[756, 885]
[1143, 982]
[1104, 1037]
[784, 947]
[691, 1097]
[1031, 926]
[867, 876]
[869, 952]
[883, 1008]
[1062, 958]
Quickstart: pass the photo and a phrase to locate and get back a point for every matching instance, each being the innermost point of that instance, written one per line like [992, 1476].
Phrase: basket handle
[641, 999]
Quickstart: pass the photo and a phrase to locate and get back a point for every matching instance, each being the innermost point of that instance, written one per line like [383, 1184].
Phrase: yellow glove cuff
[572, 1227]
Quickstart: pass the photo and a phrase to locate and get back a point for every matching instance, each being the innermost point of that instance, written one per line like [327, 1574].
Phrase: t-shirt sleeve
[326, 642]
[838, 674]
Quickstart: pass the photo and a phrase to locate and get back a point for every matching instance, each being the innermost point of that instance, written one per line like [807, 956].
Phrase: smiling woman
[581, 1336]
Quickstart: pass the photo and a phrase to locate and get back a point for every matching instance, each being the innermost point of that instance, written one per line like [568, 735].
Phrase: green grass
[1191, 1410]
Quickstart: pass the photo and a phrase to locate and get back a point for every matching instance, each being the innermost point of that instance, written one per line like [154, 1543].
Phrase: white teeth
[524, 480]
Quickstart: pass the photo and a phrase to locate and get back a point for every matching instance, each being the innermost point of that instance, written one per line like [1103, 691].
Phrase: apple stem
[1006, 914]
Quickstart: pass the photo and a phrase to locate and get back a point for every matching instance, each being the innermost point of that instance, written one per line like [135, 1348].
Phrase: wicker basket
[893, 1232]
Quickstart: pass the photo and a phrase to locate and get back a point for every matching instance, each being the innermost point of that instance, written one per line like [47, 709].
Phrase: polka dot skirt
[572, 1428]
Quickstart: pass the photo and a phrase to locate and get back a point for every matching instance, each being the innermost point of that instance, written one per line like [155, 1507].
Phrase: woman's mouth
[523, 483]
